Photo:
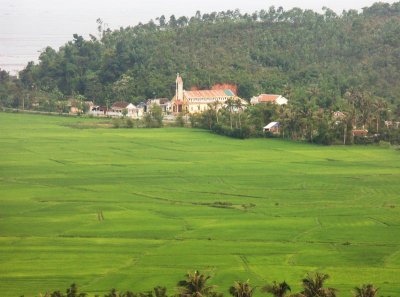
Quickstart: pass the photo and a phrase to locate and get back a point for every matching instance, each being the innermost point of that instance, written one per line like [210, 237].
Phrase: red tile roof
[120, 105]
[360, 132]
[268, 98]
[208, 94]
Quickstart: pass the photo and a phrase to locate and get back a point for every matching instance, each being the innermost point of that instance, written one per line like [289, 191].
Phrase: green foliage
[179, 120]
[277, 289]
[154, 117]
[314, 286]
[365, 291]
[195, 285]
[241, 289]
[124, 123]
[269, 51]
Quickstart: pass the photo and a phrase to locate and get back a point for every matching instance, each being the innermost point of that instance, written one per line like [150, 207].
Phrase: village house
[360, 132]
[118, 109]
[272, 127]
[98, 111]
[77, 106]
[268, 98]
[164, 103]
[199, 100]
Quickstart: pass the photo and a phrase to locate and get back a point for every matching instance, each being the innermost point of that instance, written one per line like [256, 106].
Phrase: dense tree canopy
[271, 50]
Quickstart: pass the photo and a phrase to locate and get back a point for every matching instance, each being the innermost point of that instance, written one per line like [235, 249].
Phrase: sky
[28, 26]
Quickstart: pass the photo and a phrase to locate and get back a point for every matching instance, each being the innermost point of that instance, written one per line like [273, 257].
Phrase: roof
[164, 101]
[272, 125]
[208, 94]
[120, 104]
[267, 97]
[360, 132]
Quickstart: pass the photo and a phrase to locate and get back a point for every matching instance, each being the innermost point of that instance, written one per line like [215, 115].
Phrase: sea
[16, 50]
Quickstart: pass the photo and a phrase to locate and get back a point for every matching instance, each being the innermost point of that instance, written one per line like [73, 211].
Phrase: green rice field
[136, 208]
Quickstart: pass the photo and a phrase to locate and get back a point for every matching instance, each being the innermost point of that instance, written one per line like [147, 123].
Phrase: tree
[195, 285]
[230, 103]
[113, 293]
[72, 291]
[241, 289]
[239, 107]
[154, 117]
[277, 289]
[160, 291]
[365, 291]
[314, 286]
[379, 107]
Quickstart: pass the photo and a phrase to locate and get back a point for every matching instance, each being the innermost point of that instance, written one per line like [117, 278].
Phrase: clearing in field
[136, 208]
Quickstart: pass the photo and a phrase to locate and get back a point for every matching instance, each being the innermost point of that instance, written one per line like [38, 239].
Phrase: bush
[116, 123]
[129, 123]
[179, 121]
[364, 140]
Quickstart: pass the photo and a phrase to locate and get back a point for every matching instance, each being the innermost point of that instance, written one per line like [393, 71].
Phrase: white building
[266, 98]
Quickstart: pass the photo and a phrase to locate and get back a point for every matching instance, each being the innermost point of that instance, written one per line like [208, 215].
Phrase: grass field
[175, 200]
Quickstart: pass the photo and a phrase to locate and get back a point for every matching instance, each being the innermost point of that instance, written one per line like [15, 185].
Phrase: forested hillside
[295, 53]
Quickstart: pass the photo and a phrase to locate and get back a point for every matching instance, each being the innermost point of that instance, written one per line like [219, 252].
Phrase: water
[16, 50]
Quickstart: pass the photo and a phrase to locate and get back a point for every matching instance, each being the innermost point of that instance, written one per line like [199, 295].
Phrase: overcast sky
[28, 26]
[79, 16]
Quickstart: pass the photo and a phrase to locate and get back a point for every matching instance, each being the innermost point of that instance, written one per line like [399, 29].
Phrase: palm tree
[128, 294]
[277, 290]
[365, 291]
[239, 106]
[314, 286]
[195, 285]
[73, 292]
[241, 289]
[160, 291]
[113, 293]
[230, 103]
[379, 106]
[215, 106]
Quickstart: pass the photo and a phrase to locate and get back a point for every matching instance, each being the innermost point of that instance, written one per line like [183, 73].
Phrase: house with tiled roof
[269, 98]
[119, 108]
[200, 100]
[164, 103]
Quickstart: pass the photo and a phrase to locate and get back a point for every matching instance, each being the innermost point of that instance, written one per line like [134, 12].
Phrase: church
[198, 101]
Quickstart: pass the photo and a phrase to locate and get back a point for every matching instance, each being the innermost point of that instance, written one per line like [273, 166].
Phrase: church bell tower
[179, 88]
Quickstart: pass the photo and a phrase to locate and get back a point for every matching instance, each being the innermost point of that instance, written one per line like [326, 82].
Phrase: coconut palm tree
[230, 104]
[379, 107]
[73, 291]
[160, 291]
[365, 291]
[239, 106]
[195, 285]
[113, 293]
[314, 286]
[215, 106]
[277, 290]
[241, 289]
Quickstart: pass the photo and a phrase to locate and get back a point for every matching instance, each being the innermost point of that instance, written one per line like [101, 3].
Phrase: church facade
[199, 101]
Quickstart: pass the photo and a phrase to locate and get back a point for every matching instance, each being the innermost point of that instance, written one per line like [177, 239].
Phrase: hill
[273, 51]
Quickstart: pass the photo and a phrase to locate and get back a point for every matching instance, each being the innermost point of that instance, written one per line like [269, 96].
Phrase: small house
[269, 98]
[360, 132]
[272, 127]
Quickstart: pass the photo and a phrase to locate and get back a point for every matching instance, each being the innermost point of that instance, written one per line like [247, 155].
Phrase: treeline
[196, 285]
[270, 51]
[304, 120]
